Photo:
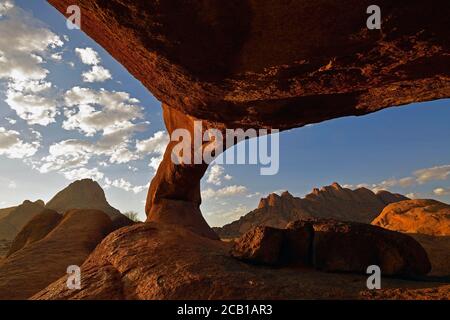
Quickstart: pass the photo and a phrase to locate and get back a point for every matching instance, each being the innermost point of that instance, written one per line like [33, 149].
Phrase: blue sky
[52, 131]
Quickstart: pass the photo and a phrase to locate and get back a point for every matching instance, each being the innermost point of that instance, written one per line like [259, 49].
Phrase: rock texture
[38, 264]
[352, 247]
[4, 248]
[437, 293]
[163, 261]
[438, 251]
[336, 246]
[14, 219]
[4, 212]
[82, 194]
[36, 229]
[429, 217]
[266, 64]
[261, 245]
[360, 205]
[276, 247]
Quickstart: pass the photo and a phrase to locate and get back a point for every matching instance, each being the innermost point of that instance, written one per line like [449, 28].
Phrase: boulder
[438, 251]
[277, 247]
[261, 245]
[423, 216]
[352, 247]
[38, 264]
[120, 222]
[297, 245]
[334, 246]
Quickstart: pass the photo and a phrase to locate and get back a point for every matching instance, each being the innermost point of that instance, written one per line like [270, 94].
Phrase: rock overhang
[259, 63]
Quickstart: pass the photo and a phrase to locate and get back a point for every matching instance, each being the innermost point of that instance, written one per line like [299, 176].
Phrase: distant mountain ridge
[334, 201]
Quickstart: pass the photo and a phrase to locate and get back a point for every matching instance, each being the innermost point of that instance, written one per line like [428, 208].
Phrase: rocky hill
[39, 263]
[14, 219]
[36, 229]
[426, 216]
[82, 194]
[359, 205]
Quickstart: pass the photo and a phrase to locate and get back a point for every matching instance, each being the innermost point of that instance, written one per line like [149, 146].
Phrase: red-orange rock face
[261, 245]
[429, 217]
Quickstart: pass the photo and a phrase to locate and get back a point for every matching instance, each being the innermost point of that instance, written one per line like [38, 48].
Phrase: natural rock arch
[266, 64]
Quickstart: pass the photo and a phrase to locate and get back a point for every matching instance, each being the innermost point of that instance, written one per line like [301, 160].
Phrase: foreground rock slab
[162, 261]
[439, 293]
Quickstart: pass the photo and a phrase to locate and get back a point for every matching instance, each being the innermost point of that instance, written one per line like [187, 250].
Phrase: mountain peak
[286, 194]
[336, 186]
[82, 194]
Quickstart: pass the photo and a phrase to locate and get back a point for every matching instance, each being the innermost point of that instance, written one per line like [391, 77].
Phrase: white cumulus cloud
[91, 111]
[125, 185]
[433, 173]
[154, 146]
[228, 191]
[96, 74]
[13, 147]
[88, 55]
[24, 44]
[215, 175]
[83, 173]
[441, 191]
[35, 109]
